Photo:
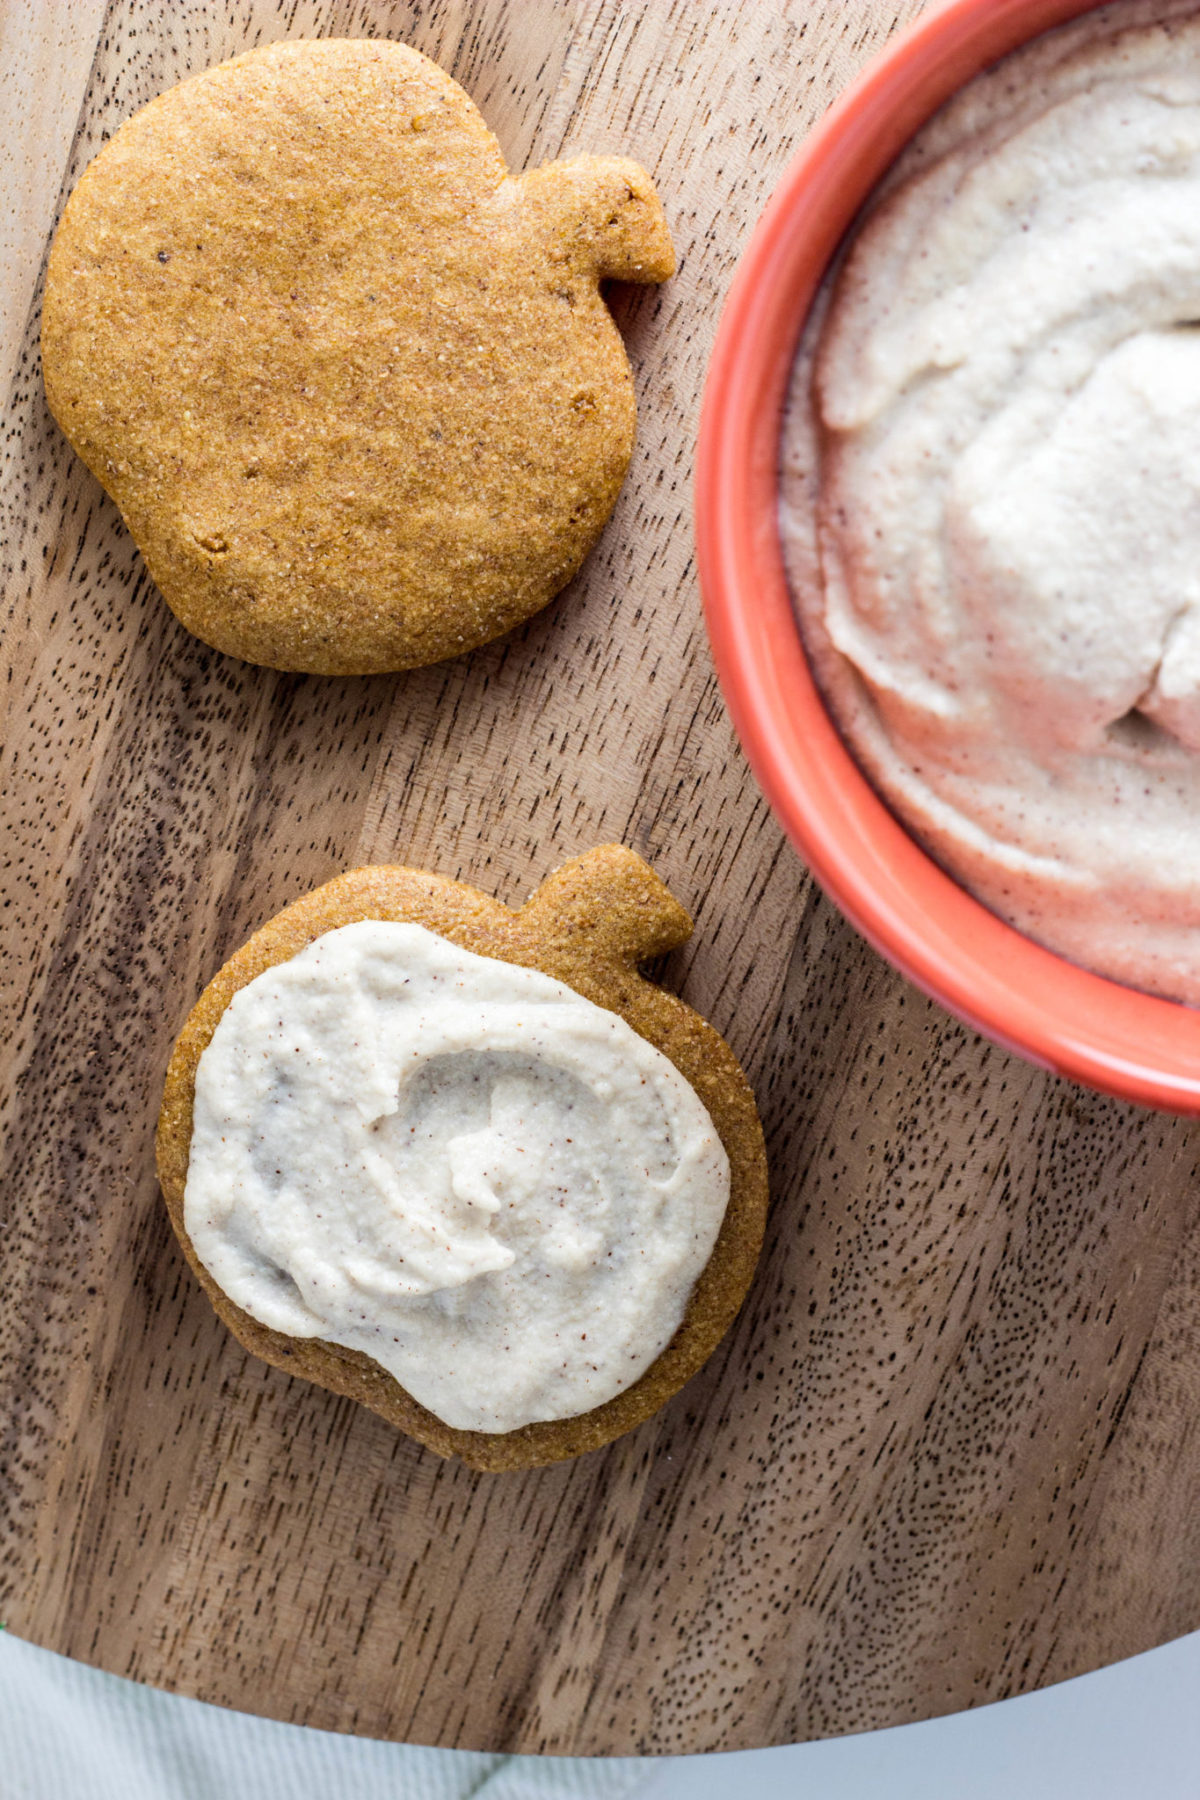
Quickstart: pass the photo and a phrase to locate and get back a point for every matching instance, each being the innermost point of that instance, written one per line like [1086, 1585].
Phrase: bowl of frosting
[948, 521]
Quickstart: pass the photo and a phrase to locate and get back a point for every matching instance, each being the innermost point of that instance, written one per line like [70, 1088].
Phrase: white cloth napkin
[68, 1732]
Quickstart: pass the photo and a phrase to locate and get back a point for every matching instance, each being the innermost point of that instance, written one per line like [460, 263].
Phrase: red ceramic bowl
[1031, 1001]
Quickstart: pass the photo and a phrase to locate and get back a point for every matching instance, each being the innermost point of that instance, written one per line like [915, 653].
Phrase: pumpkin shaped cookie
[352, 385]
[464, 1163]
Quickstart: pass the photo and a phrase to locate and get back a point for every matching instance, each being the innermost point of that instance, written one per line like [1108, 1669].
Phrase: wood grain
[950, 1452]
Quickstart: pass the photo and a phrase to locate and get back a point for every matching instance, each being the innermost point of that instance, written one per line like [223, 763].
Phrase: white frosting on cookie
[494, 1188]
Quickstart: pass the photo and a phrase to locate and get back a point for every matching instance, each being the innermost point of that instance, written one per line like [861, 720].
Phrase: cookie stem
[613, 899]
[601, 215]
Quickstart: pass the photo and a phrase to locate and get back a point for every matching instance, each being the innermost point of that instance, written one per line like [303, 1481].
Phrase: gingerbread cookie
[420, 1135]
[352, 385]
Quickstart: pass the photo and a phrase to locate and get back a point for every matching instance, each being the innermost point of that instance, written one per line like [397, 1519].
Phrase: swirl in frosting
[493, 1187]
[1005, 613]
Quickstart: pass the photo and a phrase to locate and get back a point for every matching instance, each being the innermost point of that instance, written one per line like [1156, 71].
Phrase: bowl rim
[1063, 1018]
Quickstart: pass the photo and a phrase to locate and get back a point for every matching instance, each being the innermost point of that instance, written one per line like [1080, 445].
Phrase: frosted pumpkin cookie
[465, 1164]
[352, 385]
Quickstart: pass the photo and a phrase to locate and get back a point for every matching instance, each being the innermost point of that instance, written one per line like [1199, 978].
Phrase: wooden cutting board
[950, 1452]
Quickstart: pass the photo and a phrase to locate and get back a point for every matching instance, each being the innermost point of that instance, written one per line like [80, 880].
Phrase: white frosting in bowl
[1000, 433]
[494, 1188]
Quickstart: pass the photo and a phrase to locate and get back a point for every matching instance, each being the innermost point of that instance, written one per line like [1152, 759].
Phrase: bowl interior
[1033, 1002]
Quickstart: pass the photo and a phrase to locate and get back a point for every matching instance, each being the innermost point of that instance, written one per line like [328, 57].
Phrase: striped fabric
[68, 1732]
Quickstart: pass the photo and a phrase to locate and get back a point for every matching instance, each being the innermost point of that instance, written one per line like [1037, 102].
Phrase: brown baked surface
[352, 386]
[589, 925]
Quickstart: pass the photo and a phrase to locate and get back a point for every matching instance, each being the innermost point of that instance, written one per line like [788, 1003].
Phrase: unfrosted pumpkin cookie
[465, 1164]
[352, 385]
